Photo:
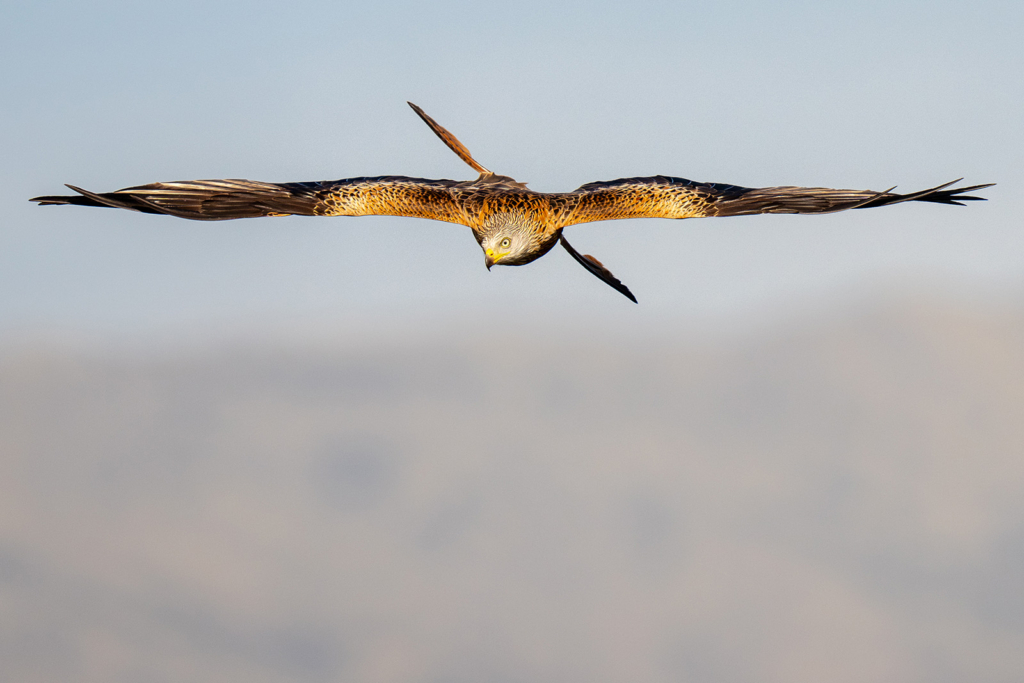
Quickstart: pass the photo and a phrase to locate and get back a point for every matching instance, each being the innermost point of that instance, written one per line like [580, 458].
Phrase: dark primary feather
[202, 200]
[817, 200]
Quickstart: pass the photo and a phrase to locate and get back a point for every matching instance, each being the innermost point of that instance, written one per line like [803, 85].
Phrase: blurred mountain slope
[839, 499]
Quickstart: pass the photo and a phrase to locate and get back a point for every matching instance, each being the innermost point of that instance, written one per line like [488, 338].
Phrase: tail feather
[451, 141]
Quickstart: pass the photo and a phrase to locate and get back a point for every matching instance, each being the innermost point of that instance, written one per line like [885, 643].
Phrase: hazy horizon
[840, 497]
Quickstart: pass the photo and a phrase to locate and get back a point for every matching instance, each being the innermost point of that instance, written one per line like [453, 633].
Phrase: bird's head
[513, 240]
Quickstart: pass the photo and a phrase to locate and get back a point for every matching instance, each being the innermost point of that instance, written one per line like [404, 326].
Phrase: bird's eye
[506, 243]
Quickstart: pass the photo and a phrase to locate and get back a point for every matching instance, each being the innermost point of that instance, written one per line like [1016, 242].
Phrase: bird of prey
[513, 225]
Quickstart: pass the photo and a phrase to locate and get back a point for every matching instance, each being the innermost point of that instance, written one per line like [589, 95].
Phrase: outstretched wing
[214, 200]
[666, 197]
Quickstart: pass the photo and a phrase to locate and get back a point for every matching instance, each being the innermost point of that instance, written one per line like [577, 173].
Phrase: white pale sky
[864, 95]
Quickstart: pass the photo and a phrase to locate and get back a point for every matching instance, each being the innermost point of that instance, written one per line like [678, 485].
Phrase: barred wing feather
[213, 200]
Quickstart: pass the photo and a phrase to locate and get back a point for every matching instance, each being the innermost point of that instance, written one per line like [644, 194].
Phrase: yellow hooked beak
[490, 257]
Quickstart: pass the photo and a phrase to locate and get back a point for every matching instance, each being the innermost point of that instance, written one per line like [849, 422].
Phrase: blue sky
[864, 95]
